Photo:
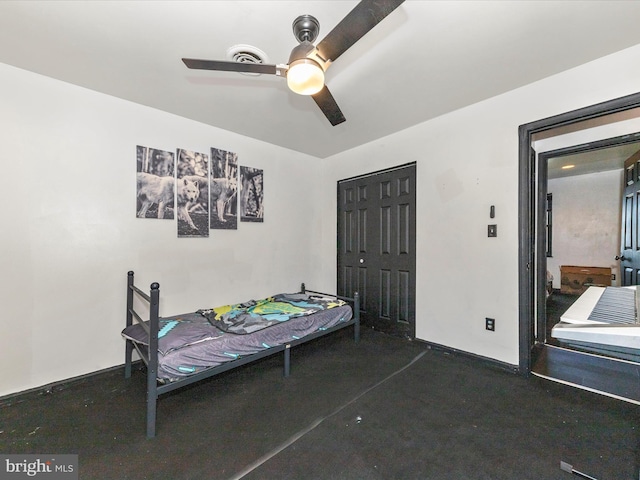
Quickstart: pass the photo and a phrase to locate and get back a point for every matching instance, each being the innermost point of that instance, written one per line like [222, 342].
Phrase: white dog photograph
[223, 190]
[192, 193]
[155, 183]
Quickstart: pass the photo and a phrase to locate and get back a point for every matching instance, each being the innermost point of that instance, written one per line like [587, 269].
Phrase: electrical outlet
[613, 276]
[490, 324]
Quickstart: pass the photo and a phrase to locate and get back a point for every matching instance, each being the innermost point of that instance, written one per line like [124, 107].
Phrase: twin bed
[184, 349]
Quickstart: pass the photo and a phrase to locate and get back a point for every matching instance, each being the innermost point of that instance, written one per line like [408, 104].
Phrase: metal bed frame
[149, 355]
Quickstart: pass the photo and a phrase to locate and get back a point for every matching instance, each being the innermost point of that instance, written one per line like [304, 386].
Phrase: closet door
[376, 247]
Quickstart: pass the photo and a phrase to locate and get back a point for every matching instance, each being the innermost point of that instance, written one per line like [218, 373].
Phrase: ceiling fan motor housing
[301, 51]
[306, 28]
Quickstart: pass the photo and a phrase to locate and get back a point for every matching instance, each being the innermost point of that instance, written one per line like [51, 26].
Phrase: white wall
[71, 234]
[586, 221]
[466, 162]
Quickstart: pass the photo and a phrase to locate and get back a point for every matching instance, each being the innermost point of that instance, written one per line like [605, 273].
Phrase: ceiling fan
[307, 63]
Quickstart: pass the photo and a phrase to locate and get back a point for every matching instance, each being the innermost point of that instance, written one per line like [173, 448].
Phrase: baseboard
[491, 362]
[50, 387]
[61, 384]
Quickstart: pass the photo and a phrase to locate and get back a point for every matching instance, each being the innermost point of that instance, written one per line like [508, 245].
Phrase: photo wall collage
[200, 190]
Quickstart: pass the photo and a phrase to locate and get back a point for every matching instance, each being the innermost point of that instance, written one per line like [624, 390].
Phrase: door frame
[531, 251]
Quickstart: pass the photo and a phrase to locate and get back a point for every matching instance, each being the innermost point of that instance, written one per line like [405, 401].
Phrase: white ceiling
[425, 59]
[594, 161]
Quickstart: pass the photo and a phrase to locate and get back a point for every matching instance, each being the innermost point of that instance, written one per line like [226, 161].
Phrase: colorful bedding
[249, 317]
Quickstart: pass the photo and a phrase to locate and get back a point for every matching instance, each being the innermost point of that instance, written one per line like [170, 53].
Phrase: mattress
[190, 343]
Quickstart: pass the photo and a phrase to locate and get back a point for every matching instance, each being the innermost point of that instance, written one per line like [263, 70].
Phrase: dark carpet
[348, 411]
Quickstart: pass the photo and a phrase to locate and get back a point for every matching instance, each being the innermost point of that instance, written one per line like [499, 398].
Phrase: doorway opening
[584, 247]
[532, 209]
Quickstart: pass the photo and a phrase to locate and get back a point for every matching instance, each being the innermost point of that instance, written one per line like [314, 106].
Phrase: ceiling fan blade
[366, 15]
[329, 107]
[225, 66]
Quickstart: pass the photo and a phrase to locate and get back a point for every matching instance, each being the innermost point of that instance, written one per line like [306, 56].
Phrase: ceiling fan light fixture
[305, 76]
[307, 63]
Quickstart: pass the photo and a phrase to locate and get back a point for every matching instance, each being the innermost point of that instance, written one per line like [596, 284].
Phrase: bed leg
[356, 312]
[128, 323]
[152, 367]
[287, 360]
[152, 397]
[127, 359]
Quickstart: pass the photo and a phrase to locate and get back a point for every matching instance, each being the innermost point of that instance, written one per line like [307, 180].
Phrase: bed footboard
[149, 355]
[355, 305]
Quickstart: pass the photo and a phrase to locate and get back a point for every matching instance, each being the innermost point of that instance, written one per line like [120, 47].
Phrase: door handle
[362, 260]
[621, 257]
